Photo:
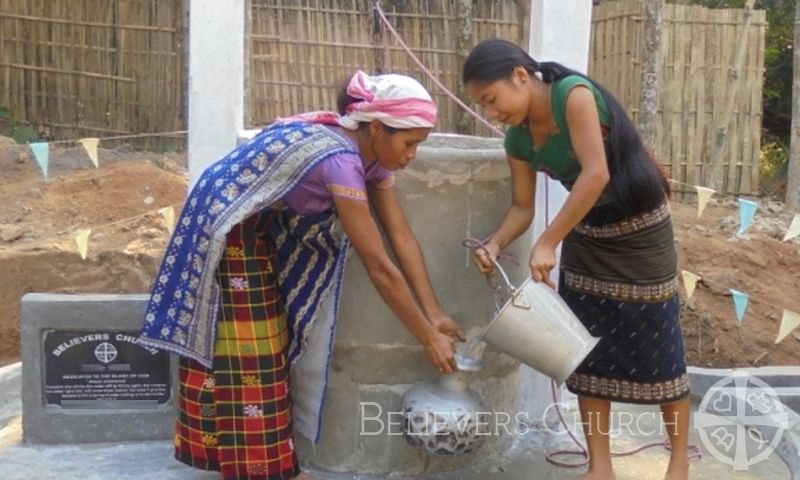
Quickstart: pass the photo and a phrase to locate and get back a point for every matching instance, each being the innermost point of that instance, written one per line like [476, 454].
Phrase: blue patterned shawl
[184, 304]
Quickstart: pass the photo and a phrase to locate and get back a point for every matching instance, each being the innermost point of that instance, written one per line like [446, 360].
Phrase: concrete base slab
[10, 388]
[138, 460]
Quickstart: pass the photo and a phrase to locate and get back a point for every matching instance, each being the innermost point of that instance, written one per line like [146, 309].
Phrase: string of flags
[747, 211]
[789, 321]
[41, 150]
[747, 208]
[81, 235]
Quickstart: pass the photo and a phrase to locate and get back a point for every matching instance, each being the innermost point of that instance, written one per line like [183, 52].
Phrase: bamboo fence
[696, 73]
[302, 51]
[79, 68]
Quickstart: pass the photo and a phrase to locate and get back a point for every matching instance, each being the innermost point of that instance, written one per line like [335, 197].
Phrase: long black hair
[637, 182]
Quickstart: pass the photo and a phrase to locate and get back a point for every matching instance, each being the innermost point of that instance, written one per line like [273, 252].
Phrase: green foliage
[777, 86]
[774, 153]
[172, 148]
[21, 132]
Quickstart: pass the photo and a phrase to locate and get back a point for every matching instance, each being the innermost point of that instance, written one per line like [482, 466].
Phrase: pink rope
[471, 242]
[583, 452]
[430, 74]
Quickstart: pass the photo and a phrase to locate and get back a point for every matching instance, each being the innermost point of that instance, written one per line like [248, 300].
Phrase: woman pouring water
[618, 259]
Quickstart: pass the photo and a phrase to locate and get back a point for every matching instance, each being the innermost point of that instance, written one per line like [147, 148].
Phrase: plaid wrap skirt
[236, 417]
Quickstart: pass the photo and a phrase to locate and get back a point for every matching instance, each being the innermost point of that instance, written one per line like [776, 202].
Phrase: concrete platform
[152, 460]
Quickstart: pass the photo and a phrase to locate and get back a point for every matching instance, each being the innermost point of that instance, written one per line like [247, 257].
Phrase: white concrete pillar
[216, 80]
[560, 31]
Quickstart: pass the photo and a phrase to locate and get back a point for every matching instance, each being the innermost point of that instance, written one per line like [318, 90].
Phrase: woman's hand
[542, 261]
[440, 349]
[446, 325]
[485, 256]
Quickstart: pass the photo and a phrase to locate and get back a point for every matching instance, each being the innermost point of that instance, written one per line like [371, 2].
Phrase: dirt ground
[37, 251]
[38, 254]
[757, 263]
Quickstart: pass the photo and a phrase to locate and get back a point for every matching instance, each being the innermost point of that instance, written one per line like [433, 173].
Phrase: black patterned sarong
[619, 277]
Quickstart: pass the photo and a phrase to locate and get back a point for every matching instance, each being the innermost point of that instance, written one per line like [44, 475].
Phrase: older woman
[250, 282]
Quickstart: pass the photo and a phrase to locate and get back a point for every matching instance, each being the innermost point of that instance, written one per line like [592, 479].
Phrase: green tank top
[557, 158]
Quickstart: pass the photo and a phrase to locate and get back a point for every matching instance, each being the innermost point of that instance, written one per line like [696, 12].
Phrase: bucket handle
[517, 298]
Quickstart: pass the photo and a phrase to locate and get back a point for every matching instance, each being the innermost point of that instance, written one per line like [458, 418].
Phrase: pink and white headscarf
[396, 100]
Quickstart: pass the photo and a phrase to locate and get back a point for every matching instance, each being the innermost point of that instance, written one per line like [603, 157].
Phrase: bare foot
[677, 472]
[598, 475]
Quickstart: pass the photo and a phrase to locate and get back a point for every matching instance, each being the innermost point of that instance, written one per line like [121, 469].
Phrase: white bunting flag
[794, 229]
[168, 216]
[703, 195]
[82, 240]
[789, 322]
[90, 145]
[689, 281]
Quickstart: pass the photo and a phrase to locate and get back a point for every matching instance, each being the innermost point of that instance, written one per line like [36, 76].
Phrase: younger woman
[618, 259]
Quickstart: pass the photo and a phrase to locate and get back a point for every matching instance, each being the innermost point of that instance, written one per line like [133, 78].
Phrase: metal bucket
[536, 327]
